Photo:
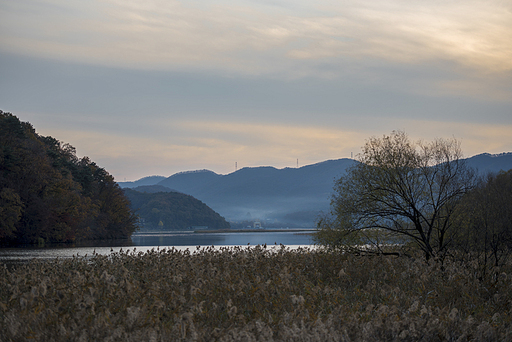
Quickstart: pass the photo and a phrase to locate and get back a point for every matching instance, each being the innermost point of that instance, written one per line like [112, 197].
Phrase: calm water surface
[147, 241]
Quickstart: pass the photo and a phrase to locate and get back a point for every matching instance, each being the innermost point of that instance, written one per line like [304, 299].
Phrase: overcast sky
[157, 87]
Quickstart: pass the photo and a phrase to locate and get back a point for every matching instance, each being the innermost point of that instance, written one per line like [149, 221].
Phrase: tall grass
[253, 294]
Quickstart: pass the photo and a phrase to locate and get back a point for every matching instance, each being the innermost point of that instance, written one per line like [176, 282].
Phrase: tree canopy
[409, 190]
[48, 194]
[485, 219]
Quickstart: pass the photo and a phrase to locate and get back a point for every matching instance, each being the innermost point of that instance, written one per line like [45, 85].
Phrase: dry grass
[240, 294]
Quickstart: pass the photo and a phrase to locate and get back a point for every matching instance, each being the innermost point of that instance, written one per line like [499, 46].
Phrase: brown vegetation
[253, 294]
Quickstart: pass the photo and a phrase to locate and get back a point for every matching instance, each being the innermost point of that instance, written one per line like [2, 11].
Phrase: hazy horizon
[159, 87]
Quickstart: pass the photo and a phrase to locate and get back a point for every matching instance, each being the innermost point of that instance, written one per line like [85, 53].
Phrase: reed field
[253, 294]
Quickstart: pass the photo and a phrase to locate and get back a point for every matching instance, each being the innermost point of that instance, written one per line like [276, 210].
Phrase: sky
[156, 87]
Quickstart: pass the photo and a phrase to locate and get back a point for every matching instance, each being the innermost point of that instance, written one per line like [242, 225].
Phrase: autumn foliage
[48, 194]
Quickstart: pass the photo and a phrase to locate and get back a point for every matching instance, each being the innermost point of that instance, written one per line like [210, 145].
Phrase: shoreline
[277, 230]
[214, 231]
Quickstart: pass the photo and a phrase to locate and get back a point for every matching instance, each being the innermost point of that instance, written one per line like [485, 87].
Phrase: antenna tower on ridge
[236, 166]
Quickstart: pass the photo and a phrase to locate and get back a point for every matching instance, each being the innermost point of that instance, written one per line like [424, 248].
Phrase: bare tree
[403, 188]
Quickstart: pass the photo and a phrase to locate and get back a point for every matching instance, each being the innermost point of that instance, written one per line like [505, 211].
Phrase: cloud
[475, 138]
[168, 85]
[255, 39]
[277, 144]
[215, 145]
[448, 48]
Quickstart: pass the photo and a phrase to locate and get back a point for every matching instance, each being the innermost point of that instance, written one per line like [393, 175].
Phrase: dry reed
[252, 294]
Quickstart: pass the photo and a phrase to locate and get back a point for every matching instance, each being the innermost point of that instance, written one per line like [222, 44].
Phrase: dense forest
[173, 211]
[48, 194]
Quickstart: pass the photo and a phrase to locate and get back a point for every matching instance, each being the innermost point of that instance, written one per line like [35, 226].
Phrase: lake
[147, 241]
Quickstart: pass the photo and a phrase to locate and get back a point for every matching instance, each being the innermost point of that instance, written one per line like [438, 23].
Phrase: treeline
[173, 211]
[484, 220]
[48, 194]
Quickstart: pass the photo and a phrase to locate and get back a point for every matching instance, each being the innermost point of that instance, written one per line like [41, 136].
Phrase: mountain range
[292, 197]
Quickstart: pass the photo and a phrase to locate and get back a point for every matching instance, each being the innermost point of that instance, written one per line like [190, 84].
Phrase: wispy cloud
[212, 145]
[217, 145]
[167, 85]
[245, 37]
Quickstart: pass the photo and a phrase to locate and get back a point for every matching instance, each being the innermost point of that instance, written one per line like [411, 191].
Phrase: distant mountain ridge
[153, 189]
[487, 162]
[149, 180]
[280, 197]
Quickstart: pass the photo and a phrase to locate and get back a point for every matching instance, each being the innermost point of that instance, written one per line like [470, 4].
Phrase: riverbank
[256, 293]
[244, 230]
[256, 230]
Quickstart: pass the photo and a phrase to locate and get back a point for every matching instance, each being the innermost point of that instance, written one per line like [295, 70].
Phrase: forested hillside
[48, 194]
[173, 211]
[291, 197]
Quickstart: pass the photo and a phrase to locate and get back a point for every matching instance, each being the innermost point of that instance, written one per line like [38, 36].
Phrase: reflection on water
[224, 239]
[147, 241]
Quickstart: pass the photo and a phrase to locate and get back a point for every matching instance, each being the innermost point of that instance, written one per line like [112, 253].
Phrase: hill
[279, 197]
[149, 180]
[173, 211]
[47, 194]
[283, 197]
[153, 188]
[486, 162]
